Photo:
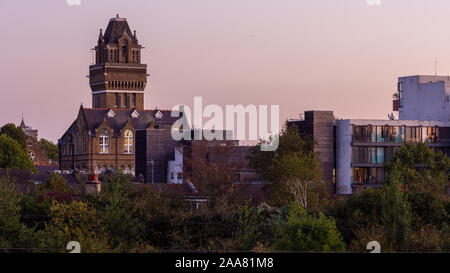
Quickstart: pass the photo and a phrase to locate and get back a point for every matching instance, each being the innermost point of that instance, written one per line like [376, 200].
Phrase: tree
[74, 221]
[12, 156]
[123, 227]
[293, 169]
[50, 149]
[212, 175]
[13, 234]
[304, 232]
[396, 213]
[358, 212]
[57, 183]
[420, 168]
[15, 133]
[299, 177]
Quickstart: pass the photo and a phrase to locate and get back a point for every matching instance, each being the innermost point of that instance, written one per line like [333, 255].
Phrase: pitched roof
[95, 117]
[115, 29]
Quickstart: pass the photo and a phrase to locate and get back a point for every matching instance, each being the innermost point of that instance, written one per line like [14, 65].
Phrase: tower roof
[116, 28]
[22, 124]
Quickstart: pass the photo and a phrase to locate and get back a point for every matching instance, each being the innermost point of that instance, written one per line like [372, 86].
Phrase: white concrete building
[175, 168]
[423, 98]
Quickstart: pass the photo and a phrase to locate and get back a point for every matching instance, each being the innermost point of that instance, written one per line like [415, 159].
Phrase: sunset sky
[340, 55]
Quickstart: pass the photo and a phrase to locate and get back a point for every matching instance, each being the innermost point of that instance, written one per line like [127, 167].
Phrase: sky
[339, 55]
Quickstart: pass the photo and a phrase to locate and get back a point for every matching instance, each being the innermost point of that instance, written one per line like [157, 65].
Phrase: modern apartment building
[360, 147]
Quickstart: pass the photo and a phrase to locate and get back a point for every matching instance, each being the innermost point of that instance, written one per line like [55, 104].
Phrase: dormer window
[159, 115]
[111, 114]
[135, 114]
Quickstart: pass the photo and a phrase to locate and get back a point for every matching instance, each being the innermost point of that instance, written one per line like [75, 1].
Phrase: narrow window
[125, 51]
[128, 142]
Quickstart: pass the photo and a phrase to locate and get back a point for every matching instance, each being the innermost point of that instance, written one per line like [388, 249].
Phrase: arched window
[128, 141]
[104, 142]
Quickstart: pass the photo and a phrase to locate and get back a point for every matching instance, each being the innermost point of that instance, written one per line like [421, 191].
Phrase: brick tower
[118, 78]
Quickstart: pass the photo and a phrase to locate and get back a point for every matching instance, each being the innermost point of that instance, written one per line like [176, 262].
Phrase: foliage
[420, 168]
[292, 170]
[57, 183]
[15, 133]
[358, 212]
[74, 221]
[256, 226]
[396, 214]
[127, 217]
[12, 155]
[366, 234]
[50, 149]
[13, 233]
[305, 232]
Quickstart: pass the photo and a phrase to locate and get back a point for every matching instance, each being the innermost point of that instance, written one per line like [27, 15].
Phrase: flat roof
[398, 122]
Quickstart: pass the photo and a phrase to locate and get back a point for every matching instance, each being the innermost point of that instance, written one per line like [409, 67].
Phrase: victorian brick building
[103, 137]
[35, 152]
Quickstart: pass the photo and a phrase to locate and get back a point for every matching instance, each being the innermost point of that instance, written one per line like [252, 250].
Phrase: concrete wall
[343, 157]
[425, 98]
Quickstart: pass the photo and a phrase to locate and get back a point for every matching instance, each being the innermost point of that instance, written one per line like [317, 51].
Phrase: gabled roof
[116, 28]
[95, 117]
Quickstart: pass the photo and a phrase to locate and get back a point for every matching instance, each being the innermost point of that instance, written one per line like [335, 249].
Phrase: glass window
[104, 142]
[128, 142]
[380, 155]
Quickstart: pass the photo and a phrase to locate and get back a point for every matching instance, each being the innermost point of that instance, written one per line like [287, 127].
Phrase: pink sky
[301, 54]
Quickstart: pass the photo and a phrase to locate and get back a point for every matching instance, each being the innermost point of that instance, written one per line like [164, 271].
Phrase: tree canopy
[50, 149]
[12, 155]
[15, 133]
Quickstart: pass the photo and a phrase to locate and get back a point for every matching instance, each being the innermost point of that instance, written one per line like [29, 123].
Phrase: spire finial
[100, 36]
[22, 123]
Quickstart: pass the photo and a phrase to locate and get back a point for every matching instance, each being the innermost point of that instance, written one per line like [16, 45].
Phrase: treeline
[409, 214]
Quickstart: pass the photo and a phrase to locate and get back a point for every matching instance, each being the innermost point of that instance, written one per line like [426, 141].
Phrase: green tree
[74, 221]
[396, 213]
[15, 133]
[305, 232]
[124, 229]
[12, 156]
[358, 212]
[57, 183]
[420, 168]
[292, 170]
[50, 149]
[13, 234]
